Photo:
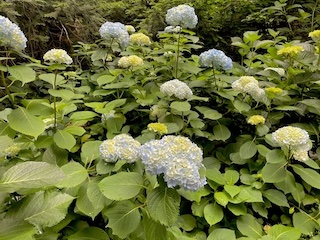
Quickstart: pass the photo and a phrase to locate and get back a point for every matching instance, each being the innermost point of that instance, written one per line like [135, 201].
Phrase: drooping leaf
[273, 172]
[249, 226]
[64, 140]
[90, 151]
[304, 222]
[89, 233]
[121, 186]
[276, 197]
[153, 229]
[163, 205]
[22, 73]
[124, 218]
[281, 232]
[22, 121]
[30, 175]
[308, 175]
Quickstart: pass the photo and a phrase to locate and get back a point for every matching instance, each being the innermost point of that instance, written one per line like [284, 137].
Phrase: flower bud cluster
[182, 15]
[216, 59]
[176, 88]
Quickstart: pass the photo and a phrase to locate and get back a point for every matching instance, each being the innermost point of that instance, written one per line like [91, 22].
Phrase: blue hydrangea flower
[177, 158]
[11, 35]
[121, 147]
[215, 58]
[182, 15]
[116, 31]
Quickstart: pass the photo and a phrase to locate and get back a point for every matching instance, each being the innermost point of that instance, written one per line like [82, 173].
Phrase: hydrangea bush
[129, 138]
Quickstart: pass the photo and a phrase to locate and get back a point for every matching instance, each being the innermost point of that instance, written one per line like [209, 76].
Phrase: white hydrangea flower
[11, 35]
[57, 56]
[182, 15]
[130, 61]
[121, 147]
[176, 88]
[172, 29]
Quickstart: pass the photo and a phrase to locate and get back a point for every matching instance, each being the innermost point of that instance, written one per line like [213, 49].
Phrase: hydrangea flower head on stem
[130, 61]
[130, 29]
[274, 90]
[11, 35]
[176, 88]
[256, 119]
[291, 50]
[215, 58]
[315, 35]
[57, 56]
[295, 139]
[182, 15]
[250, 85]
[115, 31]
[121, 147]
[158, 128]
[140, 39]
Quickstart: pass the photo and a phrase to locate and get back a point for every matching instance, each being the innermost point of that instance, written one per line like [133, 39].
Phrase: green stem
[313, 14]
[7, 89]
[55, 102]
[110, 49]
[177, 55]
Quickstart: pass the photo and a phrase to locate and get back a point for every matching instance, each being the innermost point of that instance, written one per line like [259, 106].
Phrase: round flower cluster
[157, 112]
[295, 139]
[315, 35]
[130, 61]
[140, 39]
[177, 158]
[215, 58]
[130, 29]
[182, 15]
[158, 128]
[11, 35]
[57, 56]
[172, 29]
[121, 147]
[12, 151]
[256, 119]
[274, 90]
[248, 84]
[291, 50]
[116, 31]
[176, 88]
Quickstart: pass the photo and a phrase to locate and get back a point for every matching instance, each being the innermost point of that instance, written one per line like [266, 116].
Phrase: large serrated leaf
[153, 229]
[30, 175]
[124, 218]
[43, 209]
[22, 121]
[75, 175]
[121, 186]
[14, 229]
[163, 205]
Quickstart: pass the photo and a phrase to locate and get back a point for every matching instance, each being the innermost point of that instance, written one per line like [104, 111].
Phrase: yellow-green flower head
[256, 119]
[290, 136]
[57, 56]
[177, 158]
[115, 31]
[274, 90]
[158, 128]
[176, 88]
[291, 50]
[130, 61]
[121, 147]
[11, 35]
[315, 35]
[140, 39]
[182, 15]
[12, 151]
[130, 29]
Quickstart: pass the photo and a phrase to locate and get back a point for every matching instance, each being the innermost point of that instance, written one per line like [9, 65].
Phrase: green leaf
[248, 150]
[305, 223]
[95, 195]
[241, 106]
[212, 114]
[249, 226]
[280, 232]
[231, 177]
[22, 73]
[104, 79]
[163, 205]
[222, 198]
[288, 185]
[232, 190]
[276, 197]
[153, 229]
[222, 234]
[247, 194]
[187, 222]
[89, 233]
[276, 156]
[273, 172]
[124, 218]
[194, 196]
[121, 186]
[308, 175]
[43, 209]
[61, 93]
[237, 209]
[30, 175]
[49, 78]
[14, 229]
[180, 106]
[83, 115]
[22, 121]
[260, 208]
[215, 175]
[64, 140]
[90, 151]
[75, 130]
[75, 175]
[221, 132]
[5, 142]
[213, 213]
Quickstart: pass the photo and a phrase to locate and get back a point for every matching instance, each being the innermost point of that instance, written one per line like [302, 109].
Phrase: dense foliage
[133, 137]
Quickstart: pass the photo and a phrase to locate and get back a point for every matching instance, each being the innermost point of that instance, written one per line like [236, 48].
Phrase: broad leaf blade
[308, 175]
[249, 226]
[90, 233]
[14, 229]
[64, 140]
